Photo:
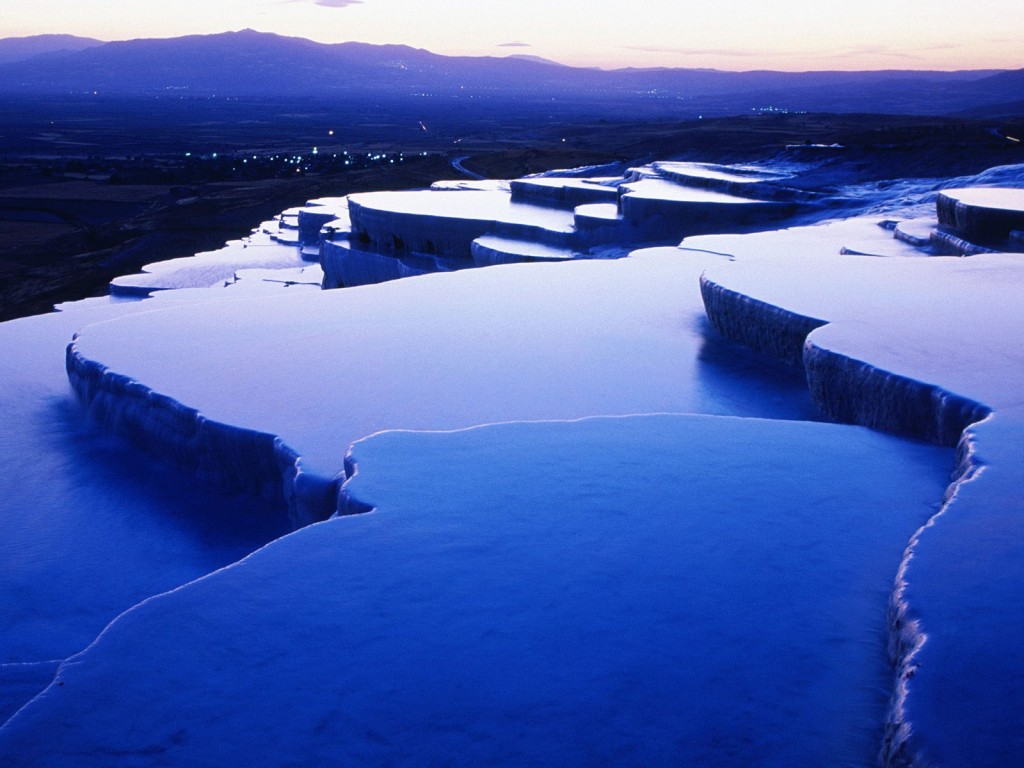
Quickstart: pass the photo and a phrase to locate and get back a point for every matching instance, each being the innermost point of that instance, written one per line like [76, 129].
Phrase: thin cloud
[328, 3]
[875, 50]
[514, 45]
[695, 51]
[337, 3]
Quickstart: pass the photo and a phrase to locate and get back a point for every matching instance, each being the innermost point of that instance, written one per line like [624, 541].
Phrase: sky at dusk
[723, 34]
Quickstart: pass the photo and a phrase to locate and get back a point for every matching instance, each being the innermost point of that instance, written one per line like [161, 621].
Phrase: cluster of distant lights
[301, 162]
[778, 111]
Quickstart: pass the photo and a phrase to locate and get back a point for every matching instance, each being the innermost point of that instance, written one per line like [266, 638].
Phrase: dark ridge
[258, 63]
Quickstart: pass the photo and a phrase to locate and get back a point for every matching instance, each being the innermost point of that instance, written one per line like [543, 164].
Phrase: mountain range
[257, 64]
[13, 49]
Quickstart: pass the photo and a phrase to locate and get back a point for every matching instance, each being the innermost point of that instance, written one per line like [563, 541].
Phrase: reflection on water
[90, 527]
[737, 381]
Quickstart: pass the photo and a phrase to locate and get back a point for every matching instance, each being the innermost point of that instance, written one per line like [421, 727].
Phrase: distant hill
[249, 63]
[530, 57]
[1002, 83]
[14, 49]
[1002, 94]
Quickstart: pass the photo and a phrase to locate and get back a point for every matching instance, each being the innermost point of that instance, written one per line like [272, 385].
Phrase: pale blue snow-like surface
[93, 527]
[900, 196]
[522, 342]
[661, 189]
[205, 270]
[472, 204]
[863, 234]
[525, 341]
[734, 174]
[90, 527]
[950, 321]
[941, 327]
[470, 185]
[965, 703]
[987, 197]
[668, 590]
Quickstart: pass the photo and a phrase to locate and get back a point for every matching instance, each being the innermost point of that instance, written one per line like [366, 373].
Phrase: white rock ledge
[855, 392]
[235, 458]
[982, 215]
[770, 330]
[927, 348]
